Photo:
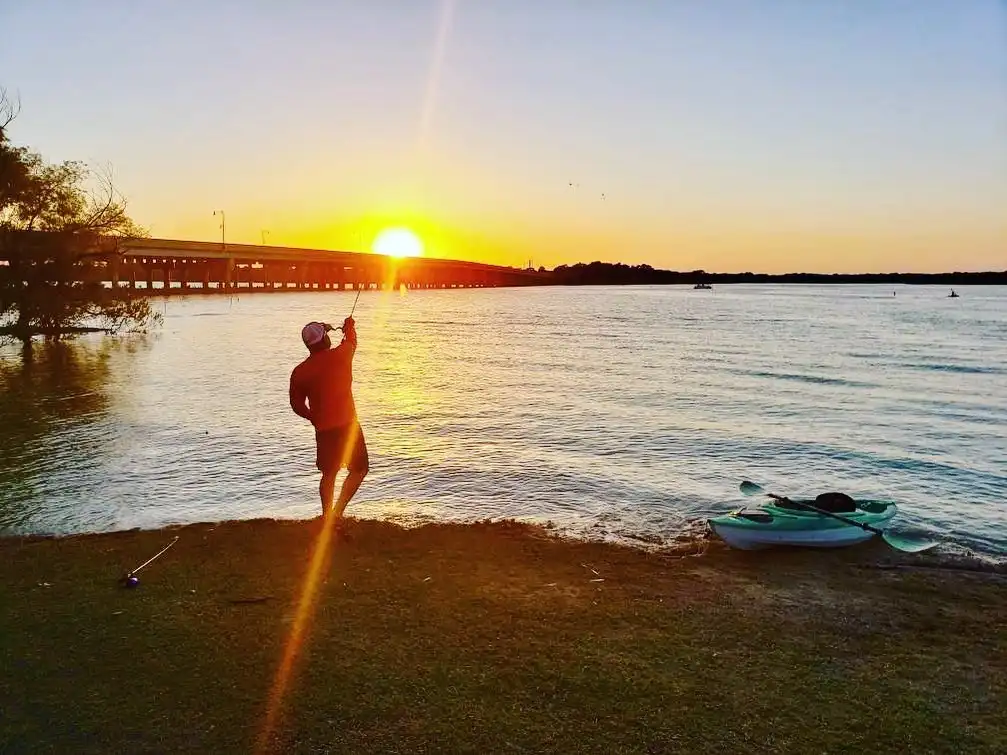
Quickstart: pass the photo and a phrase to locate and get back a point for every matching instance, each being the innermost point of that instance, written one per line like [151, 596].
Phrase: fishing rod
[131, 580]
[352, 309]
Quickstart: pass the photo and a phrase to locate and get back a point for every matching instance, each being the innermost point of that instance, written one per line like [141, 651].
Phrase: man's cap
[313, 333]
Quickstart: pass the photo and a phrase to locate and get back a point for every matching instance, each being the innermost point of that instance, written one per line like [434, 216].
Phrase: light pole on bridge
[223, 241]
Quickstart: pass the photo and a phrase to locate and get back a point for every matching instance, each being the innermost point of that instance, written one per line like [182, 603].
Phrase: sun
[398, 242]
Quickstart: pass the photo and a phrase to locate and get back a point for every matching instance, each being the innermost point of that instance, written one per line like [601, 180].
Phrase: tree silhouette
[59, 227]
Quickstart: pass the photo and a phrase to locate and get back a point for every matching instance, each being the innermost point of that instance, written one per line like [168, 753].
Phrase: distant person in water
[321, 391]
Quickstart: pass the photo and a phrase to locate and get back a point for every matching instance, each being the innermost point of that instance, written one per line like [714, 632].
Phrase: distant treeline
[607, 274]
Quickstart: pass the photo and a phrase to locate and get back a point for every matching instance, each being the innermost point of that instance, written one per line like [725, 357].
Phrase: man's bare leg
[327, 490]
[349, 489]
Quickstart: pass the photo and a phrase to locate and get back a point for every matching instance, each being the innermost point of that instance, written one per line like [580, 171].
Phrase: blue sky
[726, 135]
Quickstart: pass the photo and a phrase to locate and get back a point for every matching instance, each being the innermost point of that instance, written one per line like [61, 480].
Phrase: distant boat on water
[702, 285]
[952, 295]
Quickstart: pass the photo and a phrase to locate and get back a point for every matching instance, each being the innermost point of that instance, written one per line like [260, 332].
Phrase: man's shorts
[341, 447]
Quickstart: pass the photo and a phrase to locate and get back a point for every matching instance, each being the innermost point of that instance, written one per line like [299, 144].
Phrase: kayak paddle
[899, 542]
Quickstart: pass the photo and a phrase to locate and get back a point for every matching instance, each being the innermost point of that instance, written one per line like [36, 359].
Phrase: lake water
[628, 413]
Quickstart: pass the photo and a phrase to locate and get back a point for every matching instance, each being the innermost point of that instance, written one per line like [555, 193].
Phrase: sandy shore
[489, 638]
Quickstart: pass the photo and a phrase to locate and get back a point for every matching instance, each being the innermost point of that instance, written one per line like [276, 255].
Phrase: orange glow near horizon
[632, 236]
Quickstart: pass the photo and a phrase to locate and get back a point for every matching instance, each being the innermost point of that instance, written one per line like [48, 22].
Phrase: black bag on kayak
[835, 503]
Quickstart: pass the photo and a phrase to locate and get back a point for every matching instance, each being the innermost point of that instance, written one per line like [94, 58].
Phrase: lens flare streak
[302, 618]
[434, 77]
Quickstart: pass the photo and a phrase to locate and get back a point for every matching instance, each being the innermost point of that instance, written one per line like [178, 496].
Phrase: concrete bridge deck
[141, 263]
[163, 265]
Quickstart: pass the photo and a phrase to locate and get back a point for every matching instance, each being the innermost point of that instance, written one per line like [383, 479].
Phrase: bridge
[167, 265]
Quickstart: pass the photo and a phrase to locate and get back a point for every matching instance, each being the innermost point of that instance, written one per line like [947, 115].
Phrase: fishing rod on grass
[131, 580]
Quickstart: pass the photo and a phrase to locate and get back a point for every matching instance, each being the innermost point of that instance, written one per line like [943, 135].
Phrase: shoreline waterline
[703, 545]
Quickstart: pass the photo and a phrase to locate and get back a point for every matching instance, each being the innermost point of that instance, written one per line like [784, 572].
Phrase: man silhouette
[321, 391]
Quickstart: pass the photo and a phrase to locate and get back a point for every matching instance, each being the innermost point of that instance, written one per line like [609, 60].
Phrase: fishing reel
[130, 580]
[331, 327]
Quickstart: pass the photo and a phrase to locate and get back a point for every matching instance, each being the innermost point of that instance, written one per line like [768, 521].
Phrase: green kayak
[773, 524]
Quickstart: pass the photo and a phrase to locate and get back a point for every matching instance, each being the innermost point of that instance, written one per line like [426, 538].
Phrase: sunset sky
[767, 135]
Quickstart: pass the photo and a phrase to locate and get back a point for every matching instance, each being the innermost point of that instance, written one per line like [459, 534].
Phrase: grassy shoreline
[491, 638]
